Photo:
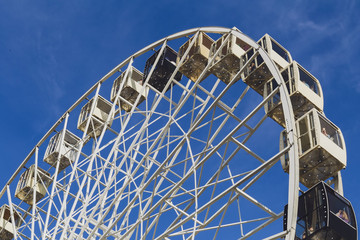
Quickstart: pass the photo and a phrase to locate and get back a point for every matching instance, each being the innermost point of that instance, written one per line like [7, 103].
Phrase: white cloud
[324, 42]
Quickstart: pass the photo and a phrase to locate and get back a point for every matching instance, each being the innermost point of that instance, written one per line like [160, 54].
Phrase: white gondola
[322, 151]
[256, 73]
[97, 120]
[67, 150]
[197, 58]
[304, 90]
[227, 62]
[131, 88]
[6, 225]
[27, 185]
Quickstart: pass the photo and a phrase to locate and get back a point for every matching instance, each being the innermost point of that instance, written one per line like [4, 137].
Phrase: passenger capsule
[325, 215]
[27, 185]
[131, 88]
[6, 225]
[98, 118]
[227, 62]
[65, 151]
[304, 90]
[256, 73]
[163, 70]
[322, 151]
[197, 58]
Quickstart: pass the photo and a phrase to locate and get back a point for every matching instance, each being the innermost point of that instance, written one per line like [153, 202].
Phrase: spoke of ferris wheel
[37, 207]
[199, 188]
[255, 202]
[280, 235]
[240, 217]
[186, 231]
[224, 121]
[55, 179]
[249, 135]
[249, 151]
[261, 172]
[63, 206]
[195, 186]
[220, 225]
[255, 230]
[220, 169]
[90, 164]
[28, 224]
[227, 110]
[187, 96]
[162, 175]
[189, 205]
[95, 199]
[127, 120]
[223, 210]
[239, 192]
[179, 204]
[164, 129]
[11, 210]
[34, 195]
[269, 162]
[196, 207]
[202, 161]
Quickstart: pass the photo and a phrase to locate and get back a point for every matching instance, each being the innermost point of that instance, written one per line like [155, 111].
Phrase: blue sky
[51, 52]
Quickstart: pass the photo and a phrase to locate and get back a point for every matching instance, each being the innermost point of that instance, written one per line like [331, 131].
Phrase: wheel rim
[197, 130]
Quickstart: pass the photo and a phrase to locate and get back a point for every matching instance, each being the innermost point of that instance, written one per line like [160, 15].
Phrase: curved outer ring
[286, 104]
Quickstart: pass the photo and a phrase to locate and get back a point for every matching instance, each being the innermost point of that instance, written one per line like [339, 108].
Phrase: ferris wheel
[181, 141]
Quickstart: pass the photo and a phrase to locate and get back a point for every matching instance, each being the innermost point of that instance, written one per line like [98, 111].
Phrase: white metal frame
[133, 83]
[89, 197]
[302, 96]
[227, 62]
[278, 59]
[196, 56]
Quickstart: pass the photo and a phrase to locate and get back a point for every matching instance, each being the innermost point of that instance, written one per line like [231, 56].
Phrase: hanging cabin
[197, 58]
[256, 73]
[325, 215]
[65, 151]
[304, 90]
[227, 62]
[132, 87]
[27, 185]
[100, 115]
[163, 70]
[6, 225]
[322, 151]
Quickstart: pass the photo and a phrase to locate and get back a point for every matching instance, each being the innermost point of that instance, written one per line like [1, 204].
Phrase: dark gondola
[163, 69]
[323, 214]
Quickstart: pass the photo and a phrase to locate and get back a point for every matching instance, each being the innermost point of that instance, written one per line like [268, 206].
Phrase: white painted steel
[274, 55]
[154, 162]
[14, 232]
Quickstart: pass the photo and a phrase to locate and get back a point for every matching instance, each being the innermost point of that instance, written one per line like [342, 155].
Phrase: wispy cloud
[327, 40]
